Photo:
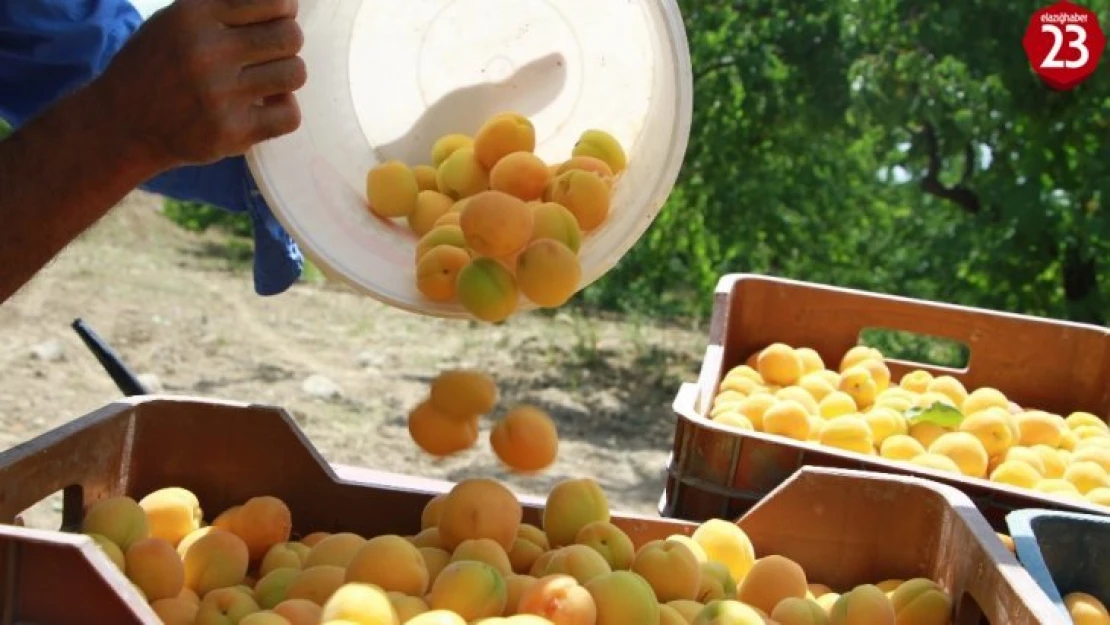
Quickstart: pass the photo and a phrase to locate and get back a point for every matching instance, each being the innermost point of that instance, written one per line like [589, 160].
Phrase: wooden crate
[843, 527]
[714, 470]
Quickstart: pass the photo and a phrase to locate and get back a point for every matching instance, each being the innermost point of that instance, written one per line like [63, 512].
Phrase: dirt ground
[174, 306]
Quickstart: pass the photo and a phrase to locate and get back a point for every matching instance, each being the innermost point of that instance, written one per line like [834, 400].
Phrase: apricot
[335, 549]
[726, 543]
[1085, 609]
[461, 175]
[560, 599]
[446, 145]
[716, 581]
[406, 606]
[501, 135]
[487, 290]
[539, 567]
[578, 561]
[602, 146]
[770, 580]
[428, 538]
[515, 587]
[484, 550]
[425, 177]
[584, 194]
[271, 589]
[437, 272]
[450, 218]
[176, 611]
[469, 588]
[921, 601]
[225, 605]
[796, 611]
[587, 163]
[283, 556]
[120, 519]
[359, 603]
[262, 522]
[171, 513]
[391, 189]
[688, 609]
[610, 541]
[429, 207]
[316, 583]
[463, 394]
[480, 508]
[671, 569]
[496, 224]
[520, 174]
[153, 565]
[299, 611]
[435, 560]
[264, 617]
[548, 273]
[110, 549]
[623, 597]
[965, 450]
[525, 439]
[439, 434]
[571, 505]
[215, 560]
[530, 532]
[523, 555]
[865, 604]
[670, 616]
[313, 538]
[437, 236]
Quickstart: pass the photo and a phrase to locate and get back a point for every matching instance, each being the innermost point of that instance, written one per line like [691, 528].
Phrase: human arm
[202, 81]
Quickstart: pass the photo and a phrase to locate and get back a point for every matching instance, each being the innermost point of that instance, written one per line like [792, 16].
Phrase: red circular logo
[1064, 43]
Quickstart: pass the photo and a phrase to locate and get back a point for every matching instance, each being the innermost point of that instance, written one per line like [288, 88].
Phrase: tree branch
[959, 194]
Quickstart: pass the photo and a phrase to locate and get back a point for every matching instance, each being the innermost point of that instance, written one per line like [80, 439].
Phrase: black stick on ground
[124, 378]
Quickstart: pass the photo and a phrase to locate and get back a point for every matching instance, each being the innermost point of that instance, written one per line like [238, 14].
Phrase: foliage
[198, 217]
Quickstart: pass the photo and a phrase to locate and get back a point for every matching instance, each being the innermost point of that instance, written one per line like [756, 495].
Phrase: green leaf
[939, 413]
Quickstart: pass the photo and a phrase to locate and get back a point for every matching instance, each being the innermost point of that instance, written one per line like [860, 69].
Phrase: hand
[206, 79]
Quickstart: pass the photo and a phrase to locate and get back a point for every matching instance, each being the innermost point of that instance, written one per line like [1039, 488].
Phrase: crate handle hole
[968, 612]
[45, 514]
[914, 347]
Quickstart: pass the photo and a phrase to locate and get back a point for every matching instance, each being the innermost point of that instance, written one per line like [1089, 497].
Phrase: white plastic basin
[389, 77]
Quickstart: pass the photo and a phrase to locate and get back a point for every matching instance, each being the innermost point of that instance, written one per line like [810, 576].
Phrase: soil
[180, 309]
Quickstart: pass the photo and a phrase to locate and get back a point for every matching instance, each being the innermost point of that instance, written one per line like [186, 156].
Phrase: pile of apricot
[495, 223]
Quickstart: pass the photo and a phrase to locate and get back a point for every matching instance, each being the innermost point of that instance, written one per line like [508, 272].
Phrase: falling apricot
[520, 174]
[487, 290]
[439, 434]
[526, 439]
[584, 194]
[551, 220]
[391, 189]
[496, 224]
[438, 271]
[430, 206]
[548, 273]
[463, 393]
[502, 135]
[461, 175]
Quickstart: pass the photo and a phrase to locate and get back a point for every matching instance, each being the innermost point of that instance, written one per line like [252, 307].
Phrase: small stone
[49, 351]
[321, 387]
[370, 359]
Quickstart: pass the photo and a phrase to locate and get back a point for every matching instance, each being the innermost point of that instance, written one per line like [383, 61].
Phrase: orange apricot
[496, 223]
[438, 271]
[525, 440]
[548, 273]
[520, 174]
[438, 433]
[584, 194]
[502, 135]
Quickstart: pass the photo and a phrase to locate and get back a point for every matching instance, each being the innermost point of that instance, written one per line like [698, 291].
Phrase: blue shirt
[50, 47]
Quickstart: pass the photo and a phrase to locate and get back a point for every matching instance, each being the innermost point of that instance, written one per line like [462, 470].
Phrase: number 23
[1078, 43]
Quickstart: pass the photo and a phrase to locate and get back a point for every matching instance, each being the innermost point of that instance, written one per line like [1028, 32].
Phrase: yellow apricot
[120, 519]
[610, 541]
[799, 611]
[1015, 473]
[990, 425]
[548, 273]
[228, 604]
[729, 612]
[866, 604]
[437, 273]
[571, 505]
[965, 450]
[176, 611]
[501, 135]
[916, 381]
[487, 290]
[435, 560]
[937, 462]
[484, 550]
[525, 440]
[779, 364]
[334, 550]
[425, 177]
[787, 418]
[461, 175]
[217, 559]
[316, 583]
[171, 513]
[153, 565]
[471, 589]
[885, 422]
[623, 597]
[857, 355]
[670, 568]
[847, 433]
[361, 603]
[837, 404]
[449, 219]
[858, 382]
[496, 224]
[390, 563]
[584, 194]
[603, 146]
[726, 543]
[552, 220]
[480, 508]
[520, 174]
[429, 207]
[299, 611]
[283, 555]
[440, 235]
[391, 189]
[438, 433]
[110, 549]
[446, 145]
